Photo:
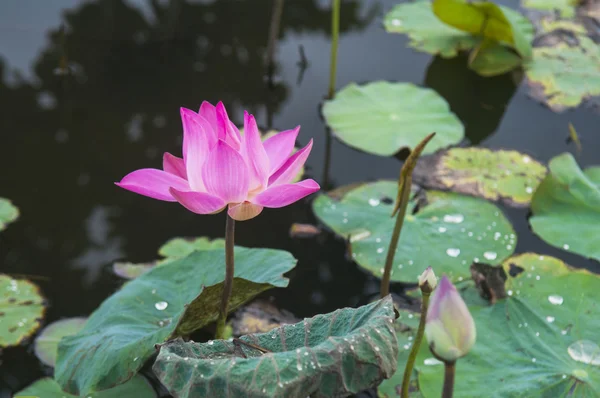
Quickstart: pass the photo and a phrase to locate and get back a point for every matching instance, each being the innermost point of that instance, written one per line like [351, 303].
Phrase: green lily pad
[46, 344]
[8, 213]
[171, 250]
[501, 175]
[563, 74]
[330, 355]
[494, 60]
[539, 342]
[137, 387]
[566, 8]
[22, 308]
[446, 230]
[163, 303]
[426, 32]
[382, 117]
[566, 207]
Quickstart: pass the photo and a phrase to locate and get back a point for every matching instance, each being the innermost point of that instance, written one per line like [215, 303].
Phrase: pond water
[67, 138]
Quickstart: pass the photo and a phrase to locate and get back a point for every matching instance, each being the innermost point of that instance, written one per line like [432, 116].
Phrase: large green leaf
[137, 387]
[509, 176]
[485, 19]
[427, 33]
[539, 342]
[382, 117]
[46, 344]
[8, 213]
[566, 207]
[329, 355]
[167, 301]
[565, 71]
[446, 230]
[22, 308]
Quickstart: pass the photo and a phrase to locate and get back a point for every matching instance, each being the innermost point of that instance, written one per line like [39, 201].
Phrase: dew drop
[396, 22]
[585, 351]
[380, 250]
[510, 292]
[432, 361]
[490, 255]
[526, 159]
[376, 348]
[442, 229]
[529, 189]
[566, 246]
[373, 201]
[345, 221]
[533, 360]
[453, 252]
[299, 367]
[454, 218]
[161, 305]
[550, 319]
[210, 342]
[555, 299]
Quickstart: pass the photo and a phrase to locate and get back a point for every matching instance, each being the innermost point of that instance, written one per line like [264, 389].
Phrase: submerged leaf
[137, 387]
[164, 302]
[445, 229]
[382, 118]
[508, 176]
[46, 344]
[22, 308]
[566, 207]
[260, 316]
[334, 354]
[8, 213]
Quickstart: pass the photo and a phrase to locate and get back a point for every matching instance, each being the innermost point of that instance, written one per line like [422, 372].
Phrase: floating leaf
[427, 33]
[382, 117]
[539, 342]
[509, 176]
[8, 213]
[166, 301]
[128, 270]
[181, 247]
[330, 355]
[447, 230]
[494, 60]
[566, 207]
[260, 316]
[566, 71]
[137, 387]
[22, 308]
[46, 344]
[565, 7]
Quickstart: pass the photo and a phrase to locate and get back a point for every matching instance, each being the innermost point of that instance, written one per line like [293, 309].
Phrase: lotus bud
[449, 328]
[427, 280]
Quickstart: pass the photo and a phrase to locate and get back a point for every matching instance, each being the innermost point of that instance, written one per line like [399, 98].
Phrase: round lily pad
[509, 176]
[22, 308]
[565, 70]
[539, 342]
[566, 207]
[137, 387]
[445, 230]
[46, 344]
[8, 213]
[382, 117]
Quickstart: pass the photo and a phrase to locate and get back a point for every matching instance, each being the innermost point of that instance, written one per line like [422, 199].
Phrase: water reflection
[479, 102]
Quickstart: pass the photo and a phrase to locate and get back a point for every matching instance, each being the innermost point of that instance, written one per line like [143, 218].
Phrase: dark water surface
[66, 138]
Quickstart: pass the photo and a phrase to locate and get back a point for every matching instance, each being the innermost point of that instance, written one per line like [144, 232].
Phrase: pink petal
[244, 211]
[198, 202]
[153, 183]
[196, 145]
[283, 195]
[280, 146]
[291, 167]
[225, 174]
[225, 129]
[208, 112]
[254, 153]
[174, 165]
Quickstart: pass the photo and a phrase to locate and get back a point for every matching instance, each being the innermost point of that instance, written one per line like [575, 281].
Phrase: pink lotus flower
[221, 167]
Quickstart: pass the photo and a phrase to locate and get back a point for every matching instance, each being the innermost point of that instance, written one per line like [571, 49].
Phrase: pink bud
[450, 329]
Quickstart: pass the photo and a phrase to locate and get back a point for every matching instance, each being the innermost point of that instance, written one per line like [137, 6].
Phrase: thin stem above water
[335, 33]
[229, 271]
[449, 371]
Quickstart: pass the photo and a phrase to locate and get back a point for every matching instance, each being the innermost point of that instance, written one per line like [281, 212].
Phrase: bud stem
[416, 345]
[229, 271]
[449, 370]
[335, 33]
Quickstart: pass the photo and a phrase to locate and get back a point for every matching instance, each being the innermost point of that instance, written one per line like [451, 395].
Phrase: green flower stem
[335, 33]
[229, 271]
[416, 345]
[404, 186]
[449, 370]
